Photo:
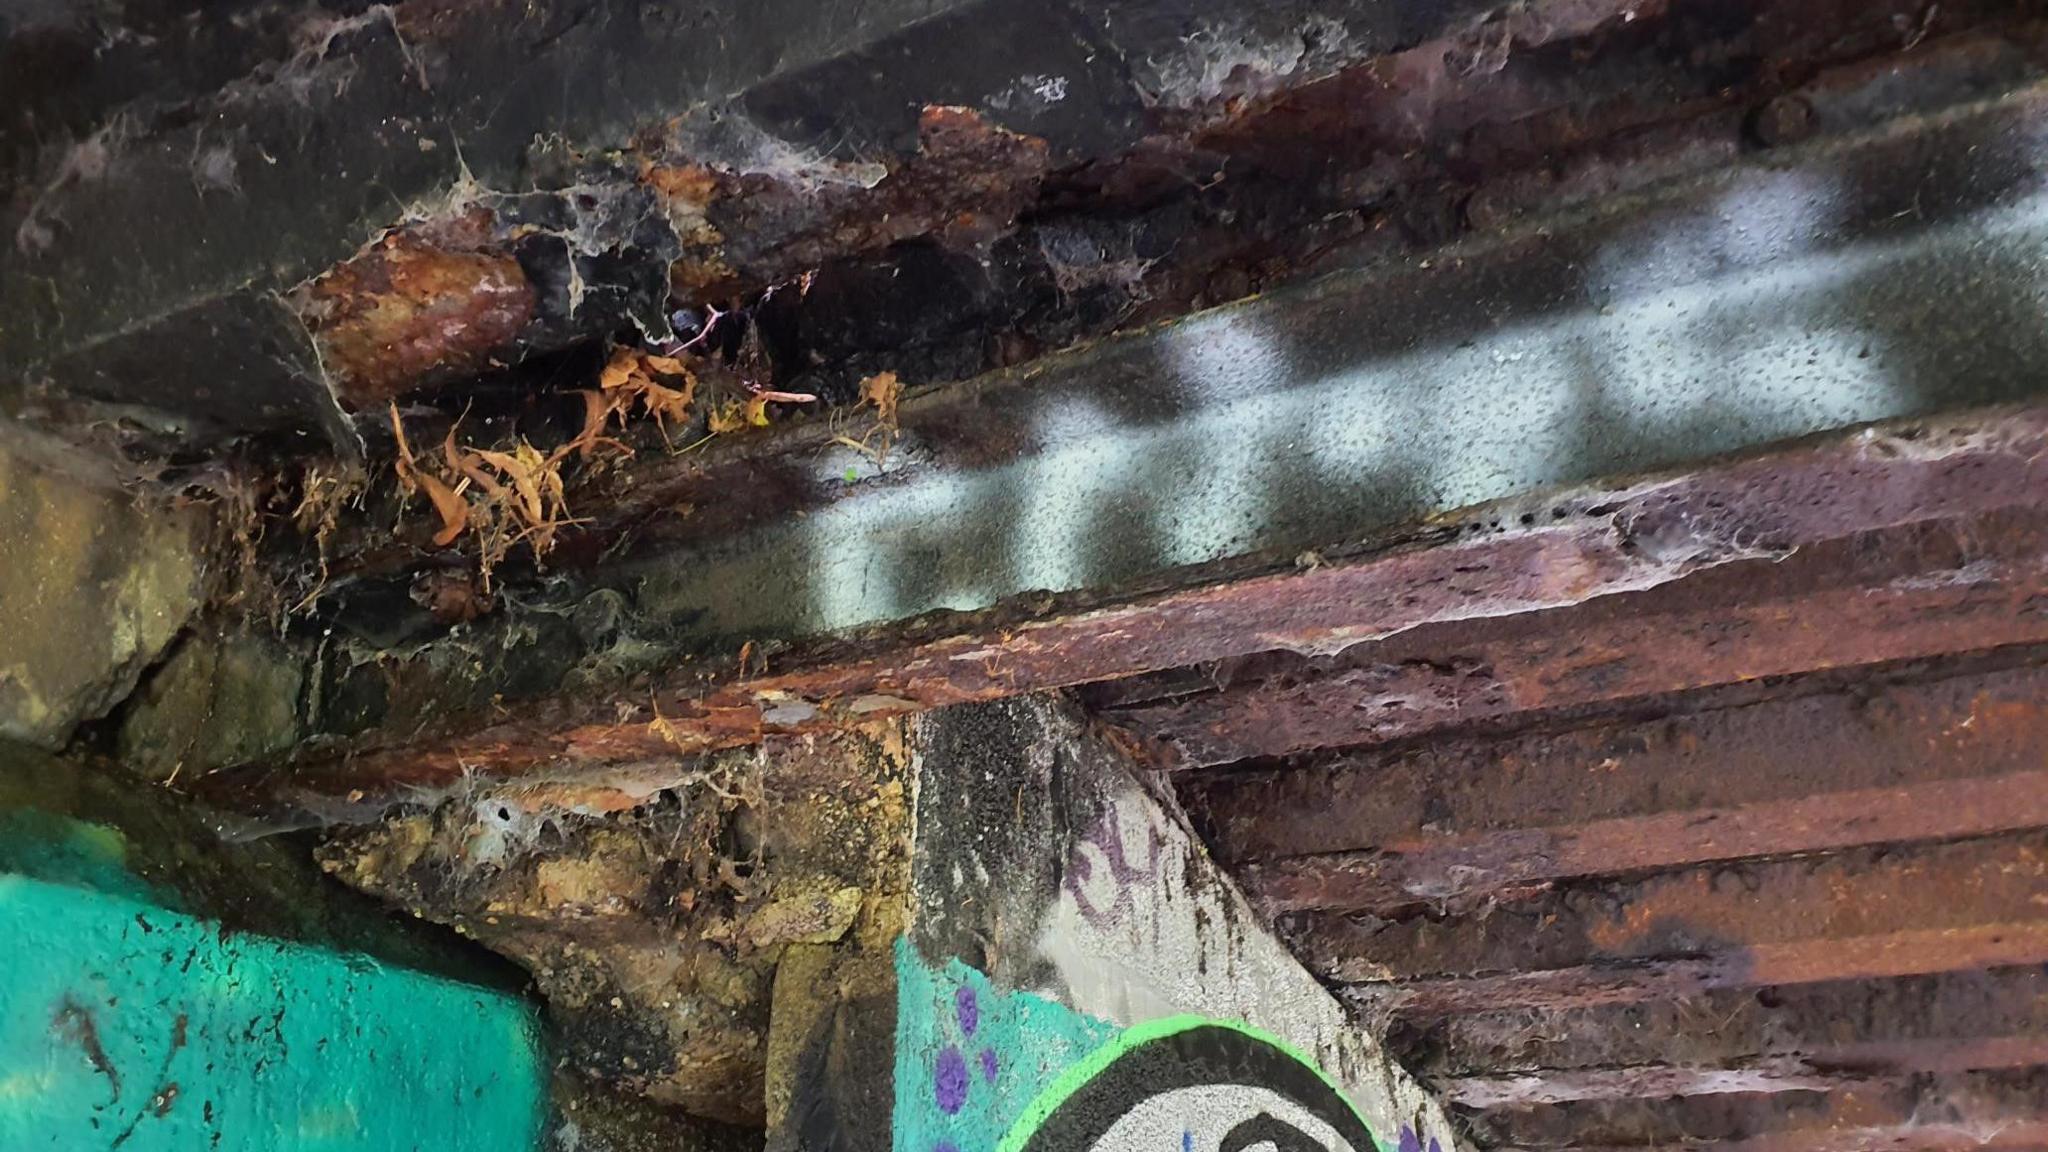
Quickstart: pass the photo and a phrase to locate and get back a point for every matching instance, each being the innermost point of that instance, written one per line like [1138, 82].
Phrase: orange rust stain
[689, 185]
[686, 192]
[410, 309]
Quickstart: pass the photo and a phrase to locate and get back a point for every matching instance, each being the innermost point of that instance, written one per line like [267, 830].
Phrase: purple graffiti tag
[949, 1080]
[967, 1010]
[1107, 839]
[1410, 1142]
[988, 1065]
[945, 1146]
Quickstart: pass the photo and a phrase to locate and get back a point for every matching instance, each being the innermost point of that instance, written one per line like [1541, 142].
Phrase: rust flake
[965, 186]
[421, 303]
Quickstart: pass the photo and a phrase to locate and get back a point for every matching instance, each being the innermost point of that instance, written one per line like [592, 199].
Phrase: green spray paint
[1082, 1071]
[1039, 1053]
[971, 1056]
[124, 1025]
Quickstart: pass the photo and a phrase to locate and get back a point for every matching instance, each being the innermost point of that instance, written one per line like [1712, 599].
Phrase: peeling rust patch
[964, 186]
[418, 305]
[1453, 822]
[655, 927]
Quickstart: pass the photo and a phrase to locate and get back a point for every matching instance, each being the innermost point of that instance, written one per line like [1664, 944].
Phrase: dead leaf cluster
[881, 392]
[662, 386]
[752, 411]
[506, 497]
[503, 498]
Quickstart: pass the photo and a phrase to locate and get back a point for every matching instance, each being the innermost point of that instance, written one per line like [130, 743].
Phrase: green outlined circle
[1162, 1056]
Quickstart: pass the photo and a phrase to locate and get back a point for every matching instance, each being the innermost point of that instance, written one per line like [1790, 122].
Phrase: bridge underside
[1554, 496]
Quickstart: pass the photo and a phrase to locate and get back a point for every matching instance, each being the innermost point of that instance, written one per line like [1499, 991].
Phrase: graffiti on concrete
[982, 1069]
[126, 1025]
[1194, 1084]
[970, 1056]
[1121, 853]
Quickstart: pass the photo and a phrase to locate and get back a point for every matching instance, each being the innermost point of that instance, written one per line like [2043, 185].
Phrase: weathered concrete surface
[1046, 863]
[218, 698]
[94, 584]
[777, 937]
[136, 1027]
[592, 1118]
[93, 825]
[166, 991]
[656, 920]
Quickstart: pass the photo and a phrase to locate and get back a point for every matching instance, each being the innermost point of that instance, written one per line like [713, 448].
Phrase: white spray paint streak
[1085, 469]
[1470, 423]
[1238, 376]
[855, 580]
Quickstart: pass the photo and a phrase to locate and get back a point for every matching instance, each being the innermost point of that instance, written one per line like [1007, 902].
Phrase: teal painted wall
[978, 1067]
[970, 1057]
[126, 1025]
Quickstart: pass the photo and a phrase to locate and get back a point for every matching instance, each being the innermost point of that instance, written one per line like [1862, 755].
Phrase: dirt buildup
[654, 924]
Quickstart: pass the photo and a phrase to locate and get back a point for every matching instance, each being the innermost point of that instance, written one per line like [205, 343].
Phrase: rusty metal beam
[1722, 749]
[1874, 957]
[1944, 587]
[1639, 1082]
[1859, 913]
[1962, 490]
[1835, 1069]
[1973, 1110]
[1880, 762]
[1995, 1132]
[1475, 865]
[1949, 1021]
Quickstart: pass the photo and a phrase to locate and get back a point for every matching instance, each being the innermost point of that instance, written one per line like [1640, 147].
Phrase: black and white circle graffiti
[1192, 1087]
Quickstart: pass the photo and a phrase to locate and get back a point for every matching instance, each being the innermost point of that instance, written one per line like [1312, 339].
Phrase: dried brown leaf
[450, 507]
[620, 370]
[404, 464]
[756, 410]
[881, 392]
[728, 417]
[665, 404]
[466, 464]
[597, 412]
[524, 481]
